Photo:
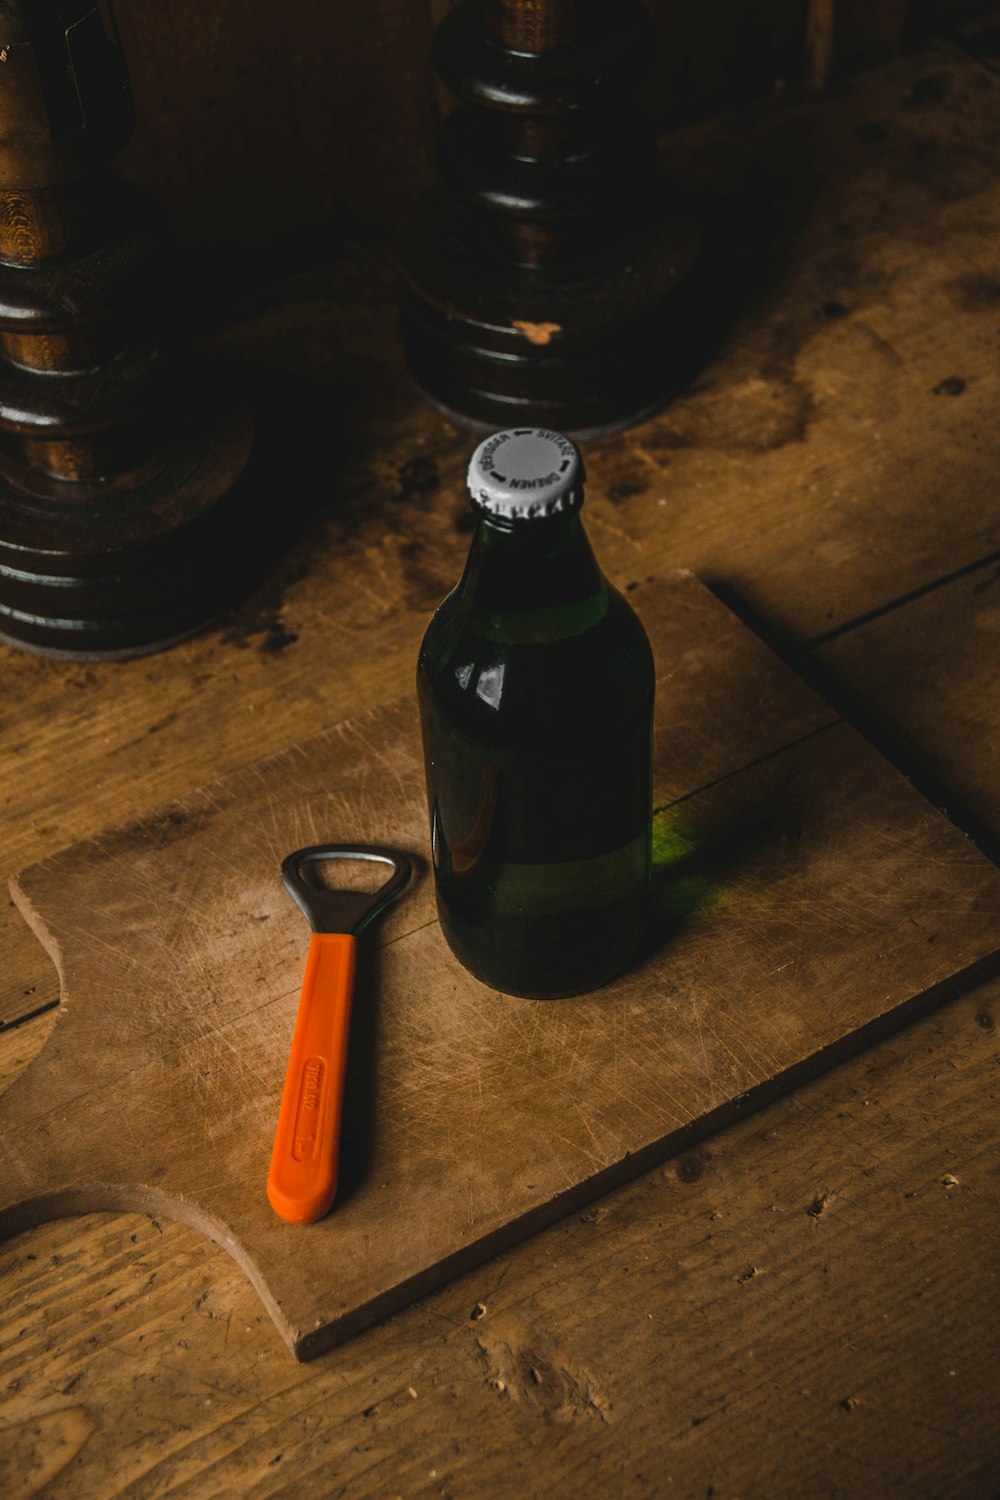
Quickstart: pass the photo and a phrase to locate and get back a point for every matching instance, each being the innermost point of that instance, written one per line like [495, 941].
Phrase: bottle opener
[302, 1180]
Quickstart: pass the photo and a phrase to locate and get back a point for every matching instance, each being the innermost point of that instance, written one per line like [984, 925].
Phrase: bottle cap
[526, 474]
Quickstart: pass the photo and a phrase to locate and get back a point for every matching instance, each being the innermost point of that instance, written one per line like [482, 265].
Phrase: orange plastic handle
[302, 1181]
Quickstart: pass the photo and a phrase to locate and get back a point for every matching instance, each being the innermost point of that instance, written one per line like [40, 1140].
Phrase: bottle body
[535, 683]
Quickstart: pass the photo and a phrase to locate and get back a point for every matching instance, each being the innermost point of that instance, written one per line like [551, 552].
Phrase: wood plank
[878, 1298]
[771, 704]
[806, 905]
[382, 532]
[928, 675]
[796, 1305]
[18, 998]
[924, 673]
[855, 391]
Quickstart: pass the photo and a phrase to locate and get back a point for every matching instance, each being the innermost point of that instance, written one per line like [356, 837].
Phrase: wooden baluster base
[491, 346]
[129, 511]
[132, 565]
[549, 275]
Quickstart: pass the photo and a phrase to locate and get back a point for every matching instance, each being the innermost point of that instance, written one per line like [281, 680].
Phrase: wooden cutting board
[808, 901]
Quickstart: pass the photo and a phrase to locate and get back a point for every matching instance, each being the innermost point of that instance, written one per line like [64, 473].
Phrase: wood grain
[779, 1302]
[805, 905]
[928, 674]
[815, 521]
[856, 1358]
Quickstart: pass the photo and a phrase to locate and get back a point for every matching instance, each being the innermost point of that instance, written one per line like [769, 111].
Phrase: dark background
[255, 120]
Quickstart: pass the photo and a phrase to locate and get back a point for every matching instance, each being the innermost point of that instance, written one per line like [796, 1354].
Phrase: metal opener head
[341, 911]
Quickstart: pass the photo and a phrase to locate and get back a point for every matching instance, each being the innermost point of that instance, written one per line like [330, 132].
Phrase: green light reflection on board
[686, 876]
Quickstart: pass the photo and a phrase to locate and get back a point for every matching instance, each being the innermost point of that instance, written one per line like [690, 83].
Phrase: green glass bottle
[535, 682]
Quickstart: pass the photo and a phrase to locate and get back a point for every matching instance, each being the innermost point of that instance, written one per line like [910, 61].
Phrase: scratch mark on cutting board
[598, 1155]
[695, 1013]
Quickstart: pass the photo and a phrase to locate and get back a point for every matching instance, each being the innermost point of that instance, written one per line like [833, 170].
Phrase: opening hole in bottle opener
[365, 875]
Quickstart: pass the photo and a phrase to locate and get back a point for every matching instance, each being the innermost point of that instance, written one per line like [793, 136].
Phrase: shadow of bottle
[697, 858]
[362, 1113]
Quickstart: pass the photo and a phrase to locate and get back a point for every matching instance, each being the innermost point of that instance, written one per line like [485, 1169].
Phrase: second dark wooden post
[543, 276]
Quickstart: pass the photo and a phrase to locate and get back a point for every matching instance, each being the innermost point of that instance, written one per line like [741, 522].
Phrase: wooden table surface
[806, 1305]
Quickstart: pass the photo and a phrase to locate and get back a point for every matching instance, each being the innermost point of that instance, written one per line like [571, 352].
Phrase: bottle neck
[532, 582]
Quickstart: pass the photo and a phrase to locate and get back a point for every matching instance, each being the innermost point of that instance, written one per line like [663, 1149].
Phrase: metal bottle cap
[525, 474]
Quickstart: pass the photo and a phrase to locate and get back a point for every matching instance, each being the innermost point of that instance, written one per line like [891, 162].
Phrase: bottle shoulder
[533, 636]
[603, 675]
[602, 615]
[629, 627]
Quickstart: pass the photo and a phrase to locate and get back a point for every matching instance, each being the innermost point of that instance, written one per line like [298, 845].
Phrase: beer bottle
[535, 681]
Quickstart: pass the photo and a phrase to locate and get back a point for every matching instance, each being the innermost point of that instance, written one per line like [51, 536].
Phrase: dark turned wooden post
[543, 277]
[124, 507]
